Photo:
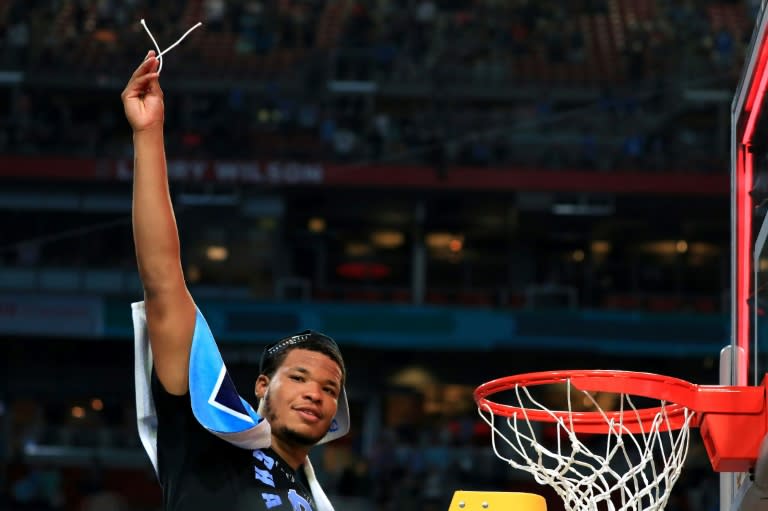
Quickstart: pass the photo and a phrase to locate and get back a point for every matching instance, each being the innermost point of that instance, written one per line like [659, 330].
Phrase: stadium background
[456, 190]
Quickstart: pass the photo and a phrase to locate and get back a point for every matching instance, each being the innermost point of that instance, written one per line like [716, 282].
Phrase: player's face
[302, 396]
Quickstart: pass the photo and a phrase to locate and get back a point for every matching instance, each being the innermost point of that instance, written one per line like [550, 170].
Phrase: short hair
[274, 354]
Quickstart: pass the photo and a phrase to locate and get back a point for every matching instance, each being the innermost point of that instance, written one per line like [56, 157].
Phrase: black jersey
[201, 472]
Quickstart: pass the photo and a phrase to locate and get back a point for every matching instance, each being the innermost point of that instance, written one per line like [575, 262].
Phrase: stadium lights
[217, 253]
[443, 240]
[316, 224]
[387, 239]
[357, 249]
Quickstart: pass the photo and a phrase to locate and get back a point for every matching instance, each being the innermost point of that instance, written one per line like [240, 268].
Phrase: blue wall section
[449, 328]
[384, 326]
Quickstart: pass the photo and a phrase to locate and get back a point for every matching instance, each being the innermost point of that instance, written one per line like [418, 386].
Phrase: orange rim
[680, 398]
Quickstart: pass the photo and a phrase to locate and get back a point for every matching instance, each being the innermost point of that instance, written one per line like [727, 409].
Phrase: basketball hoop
[625, 455]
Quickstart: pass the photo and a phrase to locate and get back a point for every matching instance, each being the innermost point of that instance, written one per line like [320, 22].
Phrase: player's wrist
[150, 130]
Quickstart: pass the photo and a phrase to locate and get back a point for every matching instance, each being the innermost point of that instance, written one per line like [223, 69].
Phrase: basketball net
[617, 470]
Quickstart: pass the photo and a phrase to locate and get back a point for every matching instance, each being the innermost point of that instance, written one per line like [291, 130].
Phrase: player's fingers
[141, 84]
[146, 65]
[147, 80]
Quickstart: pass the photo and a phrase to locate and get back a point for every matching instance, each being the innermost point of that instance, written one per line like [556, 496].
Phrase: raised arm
[169, 306]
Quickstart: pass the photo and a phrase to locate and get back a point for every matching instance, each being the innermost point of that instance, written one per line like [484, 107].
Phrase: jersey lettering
[263, 476]
[271, 500]
[266, 460]
[298, 502]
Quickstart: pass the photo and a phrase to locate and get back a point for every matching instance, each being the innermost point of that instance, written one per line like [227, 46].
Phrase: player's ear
[262, 382]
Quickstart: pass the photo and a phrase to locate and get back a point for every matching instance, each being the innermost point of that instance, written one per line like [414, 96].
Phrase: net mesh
[615, 471]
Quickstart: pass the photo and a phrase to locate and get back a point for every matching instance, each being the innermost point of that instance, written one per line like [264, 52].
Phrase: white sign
[272, 173]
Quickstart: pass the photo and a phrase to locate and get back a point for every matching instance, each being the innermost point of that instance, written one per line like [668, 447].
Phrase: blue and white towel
[216, 404]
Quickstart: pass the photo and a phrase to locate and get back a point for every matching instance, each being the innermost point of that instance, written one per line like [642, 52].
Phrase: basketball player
[210, 449]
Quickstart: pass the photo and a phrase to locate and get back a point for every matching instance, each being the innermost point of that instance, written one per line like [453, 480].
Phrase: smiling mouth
[310, 415]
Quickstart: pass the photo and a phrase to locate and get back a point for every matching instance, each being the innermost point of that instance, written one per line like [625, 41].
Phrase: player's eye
[296, 377]
[330, 391]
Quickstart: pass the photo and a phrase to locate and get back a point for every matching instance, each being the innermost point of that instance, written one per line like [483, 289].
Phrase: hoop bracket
[733, 438]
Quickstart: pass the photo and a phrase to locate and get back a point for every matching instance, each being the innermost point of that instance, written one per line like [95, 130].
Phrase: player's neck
[292, 454]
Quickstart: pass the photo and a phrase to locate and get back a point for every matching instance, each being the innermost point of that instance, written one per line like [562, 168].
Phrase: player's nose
[313, 391]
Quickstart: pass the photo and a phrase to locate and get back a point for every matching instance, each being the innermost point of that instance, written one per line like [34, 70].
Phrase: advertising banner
[65, 316]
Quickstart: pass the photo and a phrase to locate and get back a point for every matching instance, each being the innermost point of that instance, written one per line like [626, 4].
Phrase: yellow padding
[496, 501]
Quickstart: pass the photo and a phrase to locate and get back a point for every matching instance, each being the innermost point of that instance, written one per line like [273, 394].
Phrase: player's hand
[143, 97]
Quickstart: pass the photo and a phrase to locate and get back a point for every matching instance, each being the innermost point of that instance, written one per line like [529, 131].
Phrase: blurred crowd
[492, 83]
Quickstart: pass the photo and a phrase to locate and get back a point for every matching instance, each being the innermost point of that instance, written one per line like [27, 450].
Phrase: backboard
[746, 360]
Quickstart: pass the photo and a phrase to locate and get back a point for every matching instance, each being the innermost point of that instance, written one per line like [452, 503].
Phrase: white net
[615, 471]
